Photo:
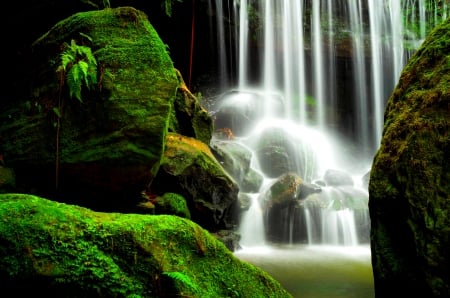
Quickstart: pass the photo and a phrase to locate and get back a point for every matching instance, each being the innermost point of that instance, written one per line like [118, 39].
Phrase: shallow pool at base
[320, 271]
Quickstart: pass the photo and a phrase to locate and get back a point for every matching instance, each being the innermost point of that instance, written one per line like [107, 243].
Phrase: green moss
[408, 188]
[123, 120]
[72, 250]
[182, 152]
[126, 47]
[172, 203]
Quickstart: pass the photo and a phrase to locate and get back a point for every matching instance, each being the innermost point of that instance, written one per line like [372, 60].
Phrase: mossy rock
[172, 203]
[408, 189]
[190, 169]
[189, 118]
[108, 146]
[59, 250]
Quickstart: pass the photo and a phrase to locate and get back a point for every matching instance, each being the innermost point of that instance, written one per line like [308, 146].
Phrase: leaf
[79, 65]
[57, 111]
[74, 82]
[183, 279]
[66, 59]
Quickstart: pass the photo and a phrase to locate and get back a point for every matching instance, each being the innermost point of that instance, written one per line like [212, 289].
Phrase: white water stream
[327, 67]
[313, 80]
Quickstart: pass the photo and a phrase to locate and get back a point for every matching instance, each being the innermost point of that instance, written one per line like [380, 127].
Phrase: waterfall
[313, 70]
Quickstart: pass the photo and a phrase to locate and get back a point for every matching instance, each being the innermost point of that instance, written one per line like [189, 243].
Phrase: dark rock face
[409, 187]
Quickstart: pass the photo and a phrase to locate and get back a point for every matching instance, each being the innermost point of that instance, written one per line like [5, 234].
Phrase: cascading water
[313, 79]
[304, 122]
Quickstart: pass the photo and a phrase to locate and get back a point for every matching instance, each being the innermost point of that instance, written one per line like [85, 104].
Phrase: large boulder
[51, 249]
[102, 147]
[409, 187]
[189, 168]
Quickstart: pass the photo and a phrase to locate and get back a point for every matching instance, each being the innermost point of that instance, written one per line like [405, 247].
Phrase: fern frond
[87, 52]
[80, 65]
[66, 59]
[73, 44]
[183, 279]
[74, 82]
[83, 67]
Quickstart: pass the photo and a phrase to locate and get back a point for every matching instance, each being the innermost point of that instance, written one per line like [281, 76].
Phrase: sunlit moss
[72, 250]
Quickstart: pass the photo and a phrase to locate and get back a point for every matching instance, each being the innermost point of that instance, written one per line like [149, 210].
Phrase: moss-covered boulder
[58, 250]
[409, 187]
[172, 203]
[103, 87]
[189, 118]
[189, 168]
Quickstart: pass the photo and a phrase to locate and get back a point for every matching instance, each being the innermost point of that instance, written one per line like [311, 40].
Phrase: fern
[79, 66]
[74, 82]
[183, 279]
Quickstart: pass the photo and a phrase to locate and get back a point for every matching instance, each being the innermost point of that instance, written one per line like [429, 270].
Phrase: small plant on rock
[78, 68]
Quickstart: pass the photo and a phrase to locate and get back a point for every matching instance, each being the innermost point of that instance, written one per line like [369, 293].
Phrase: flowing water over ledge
[316, 271]
[312, 81]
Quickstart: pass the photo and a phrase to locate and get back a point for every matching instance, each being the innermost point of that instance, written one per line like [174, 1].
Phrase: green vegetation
[78, 66]
[183, 279]
[172, 203]
[121, 70]
[408, 184]
[73, 251]
[417, 24]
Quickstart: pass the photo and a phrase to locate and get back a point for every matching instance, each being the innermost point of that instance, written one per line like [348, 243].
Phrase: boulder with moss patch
[59, 250]
[409, 187]
[190, 169]
[106, 147]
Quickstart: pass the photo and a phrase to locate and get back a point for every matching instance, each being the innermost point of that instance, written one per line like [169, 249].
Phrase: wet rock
[337, 178]
[409, 182]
